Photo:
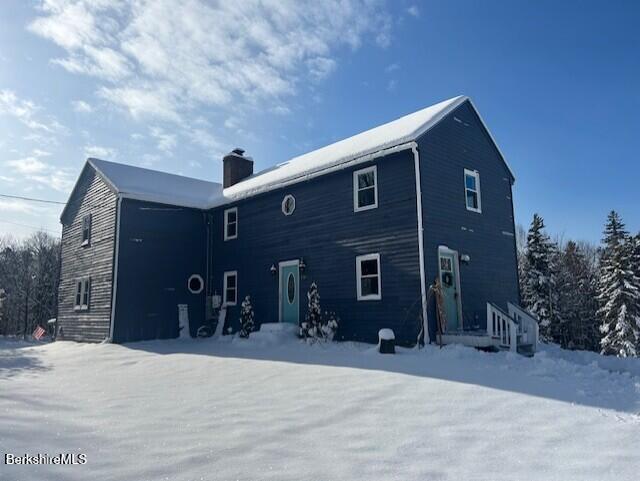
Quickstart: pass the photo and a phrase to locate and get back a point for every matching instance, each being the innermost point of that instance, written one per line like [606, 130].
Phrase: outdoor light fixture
[273, 269]
[302, 265]
[465, 258]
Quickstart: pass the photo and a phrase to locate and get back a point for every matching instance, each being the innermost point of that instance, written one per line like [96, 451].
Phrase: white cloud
[392, 85]
[153, 60]
[26, 111]
[32, 169]
[81, 106]
[27, 165]
[321, 67]
[414, 11]
[166, 142]
[16, 206]
[99, 152]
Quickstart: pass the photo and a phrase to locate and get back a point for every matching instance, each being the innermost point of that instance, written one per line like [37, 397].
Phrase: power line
[29, 226]
[31, 199]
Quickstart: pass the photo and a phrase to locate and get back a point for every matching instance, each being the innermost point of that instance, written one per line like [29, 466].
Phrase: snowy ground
[268, 410]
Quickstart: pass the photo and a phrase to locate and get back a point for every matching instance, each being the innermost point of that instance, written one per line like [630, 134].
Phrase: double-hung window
[230, 297]
[365, 189]
[472, 190]
[231, 223]
[368, 277]
[82, 294]
[86, 230]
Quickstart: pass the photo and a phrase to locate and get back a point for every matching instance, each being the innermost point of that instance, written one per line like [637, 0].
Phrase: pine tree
[577, 304]
[539, 292]
[246, 318]
[618, 292]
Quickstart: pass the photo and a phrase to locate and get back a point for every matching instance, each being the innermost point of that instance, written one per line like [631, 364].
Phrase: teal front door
[449, 282]
[289, 292]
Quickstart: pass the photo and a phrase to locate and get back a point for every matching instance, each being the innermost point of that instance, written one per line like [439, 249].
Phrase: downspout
[423, 284]
[114, 283]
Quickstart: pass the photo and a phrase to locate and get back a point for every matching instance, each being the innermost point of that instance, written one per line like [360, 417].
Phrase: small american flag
[38, 333]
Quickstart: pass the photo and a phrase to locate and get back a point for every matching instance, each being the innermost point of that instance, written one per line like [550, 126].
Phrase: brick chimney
[237, 167]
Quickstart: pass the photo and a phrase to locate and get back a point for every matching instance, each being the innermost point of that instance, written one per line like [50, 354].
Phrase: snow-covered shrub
[246, 318]
[316, 326]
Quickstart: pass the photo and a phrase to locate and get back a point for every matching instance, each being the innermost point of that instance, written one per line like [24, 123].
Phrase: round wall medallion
[195, 284]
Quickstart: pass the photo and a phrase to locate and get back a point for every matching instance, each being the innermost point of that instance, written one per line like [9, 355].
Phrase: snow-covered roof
[386, 136]
[154, 186]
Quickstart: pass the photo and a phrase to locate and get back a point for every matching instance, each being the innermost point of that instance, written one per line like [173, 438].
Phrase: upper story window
[472, 190]
[231, 223]
[82, 295]
[368, 277]
[365, 189]
[86, 230]
[230, 293]
[288, 204]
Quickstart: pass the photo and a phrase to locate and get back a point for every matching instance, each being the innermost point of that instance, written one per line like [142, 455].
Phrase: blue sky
[136, 82]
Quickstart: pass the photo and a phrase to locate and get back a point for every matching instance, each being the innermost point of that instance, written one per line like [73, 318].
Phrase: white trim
[114, 284]
[423, 283]
[228, 274]
[294, 262]
[476, 175]
[284, 201]
[456, 269]
[196, 291]
[359, 260]
[226, 223]
[356, 188]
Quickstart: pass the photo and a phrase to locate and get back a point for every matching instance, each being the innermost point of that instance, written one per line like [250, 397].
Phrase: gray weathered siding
[92, 196]
[460, 141]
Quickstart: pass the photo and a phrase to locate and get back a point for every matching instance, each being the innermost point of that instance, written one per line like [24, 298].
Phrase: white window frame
[359, 260]
[356, 174]
[226, 224]
[228, 274]
[476, 175]
[87, 241]
[85, 289]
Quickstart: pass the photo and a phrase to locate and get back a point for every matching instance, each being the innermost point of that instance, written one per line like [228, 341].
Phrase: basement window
[82, 294]
[231, 224]
[86, 230]
[365, 189]
[368, 277]
[472, 190]
[230, 288]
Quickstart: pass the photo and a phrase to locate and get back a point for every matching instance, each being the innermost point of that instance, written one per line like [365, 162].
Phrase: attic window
[86, 230]
[231, 223]
[472, 190]
[365, 189]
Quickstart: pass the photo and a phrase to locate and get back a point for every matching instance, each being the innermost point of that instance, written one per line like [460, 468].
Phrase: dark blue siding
[160, 247]
[328, 234]
[460, 141]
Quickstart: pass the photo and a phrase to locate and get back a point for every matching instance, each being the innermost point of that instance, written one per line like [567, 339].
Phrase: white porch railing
[528, 329]
[502, 327]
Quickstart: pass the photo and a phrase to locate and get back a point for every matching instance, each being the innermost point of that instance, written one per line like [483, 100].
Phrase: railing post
[489, 320]
[514, 337]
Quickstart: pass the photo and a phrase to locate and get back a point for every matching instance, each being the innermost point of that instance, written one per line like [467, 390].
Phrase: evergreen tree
[618, 292]
[246, 318]
[539, 293]
[310, 328]
[577, 305]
